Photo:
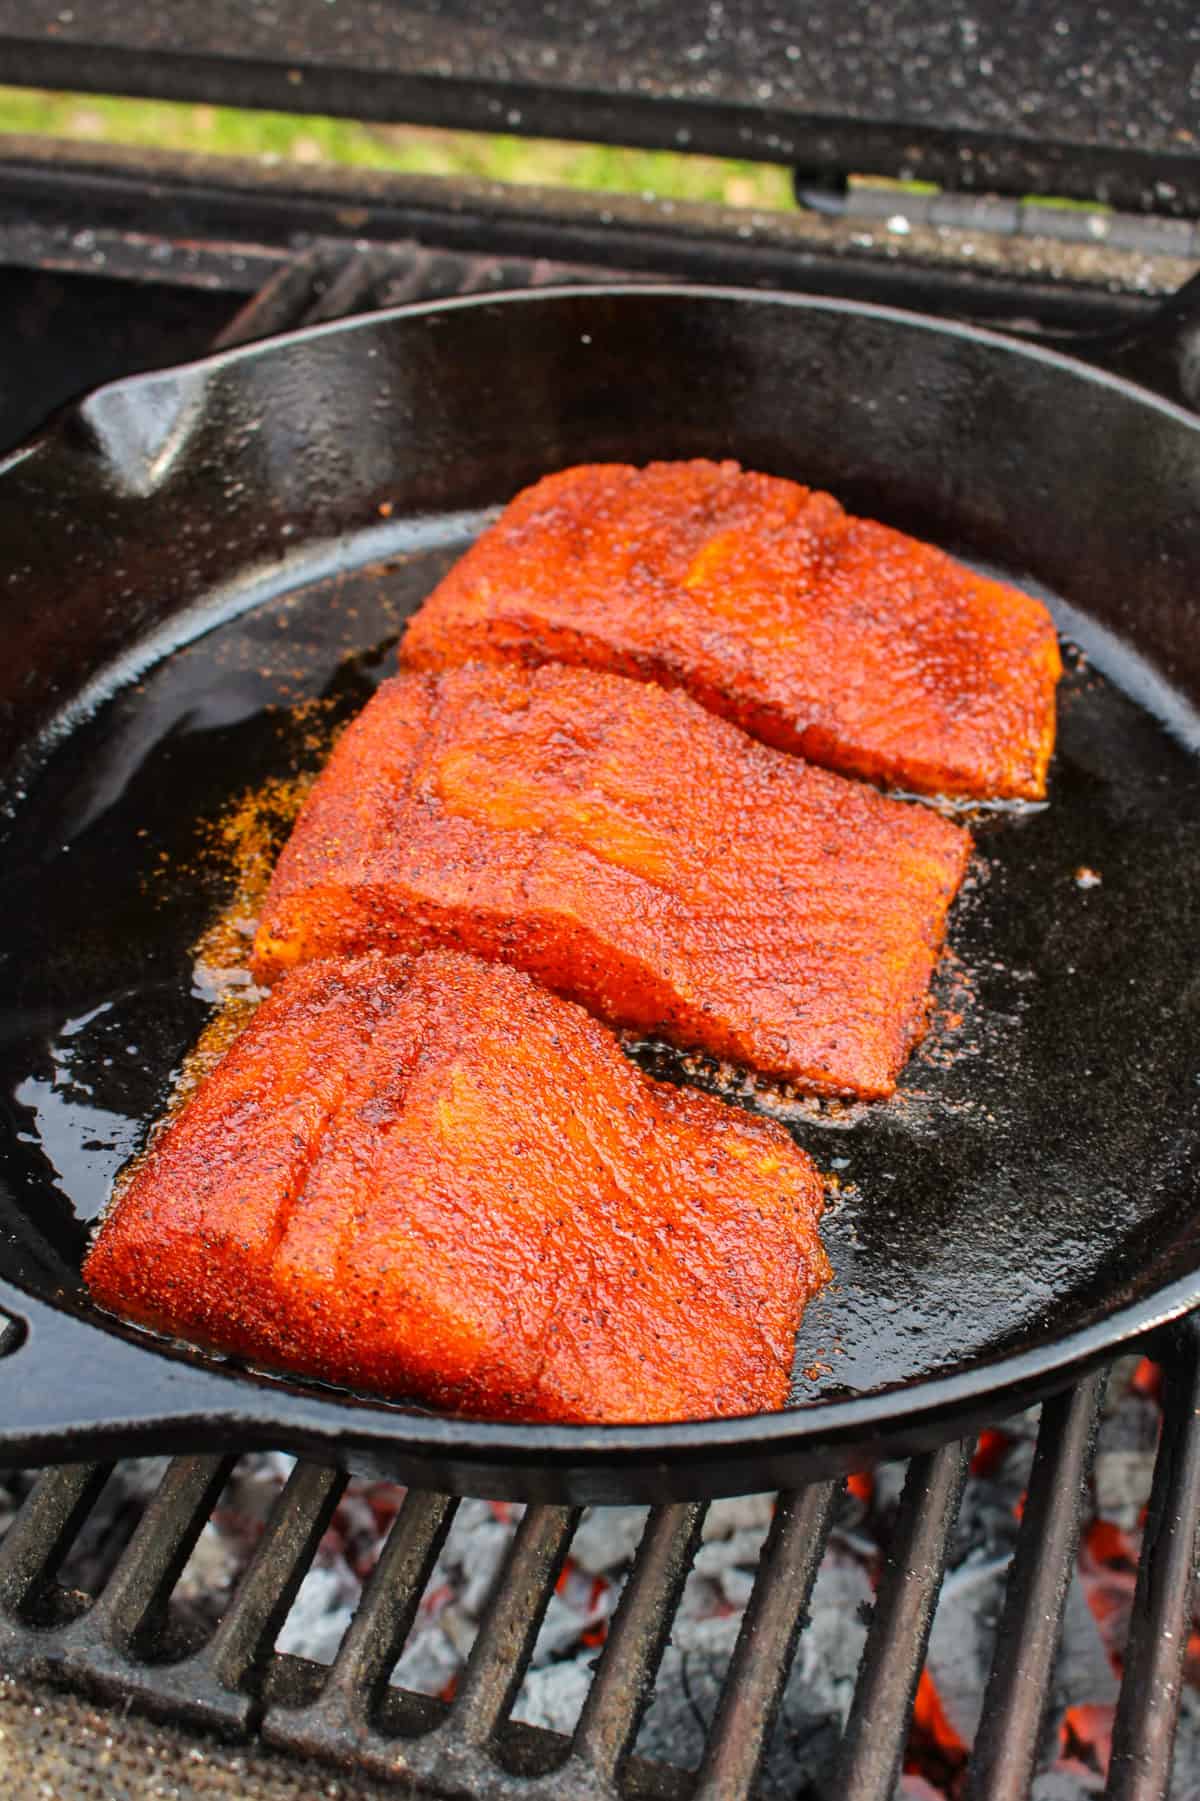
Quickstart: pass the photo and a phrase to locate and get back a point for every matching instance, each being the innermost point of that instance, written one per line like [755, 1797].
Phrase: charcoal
[1065, 1785]
[111, 1523]
[889, 1485]
[742, 1547]
[677, 1721]
[831, 1647]
[817, 1698]
[554, 1695]
[607, 1538]
[321, 1612]
[1084, 1672]
[430, 1661]
[988, 1520]
[1122, 1482]
[1117, 1390]
[912, 1787]
[474, 1552]
[962, 1636]
[737, 1585]
[213, 1568]
[1133, 1426]
[741, 1513]
[1185, 1777]
[562, 1629]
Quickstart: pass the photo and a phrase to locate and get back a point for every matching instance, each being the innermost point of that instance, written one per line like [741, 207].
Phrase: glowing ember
[930, 1722]
[990, 1452]
[1085, 1738]
[1147, 1379]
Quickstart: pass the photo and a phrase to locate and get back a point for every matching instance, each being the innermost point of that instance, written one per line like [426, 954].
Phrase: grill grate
[331, 279]
[126, 1643]
[123, 1643]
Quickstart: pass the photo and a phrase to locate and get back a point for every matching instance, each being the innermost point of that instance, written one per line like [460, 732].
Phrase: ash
[1077, 1732]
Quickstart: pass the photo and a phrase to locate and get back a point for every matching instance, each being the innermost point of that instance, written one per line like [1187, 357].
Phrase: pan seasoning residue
[246, 839]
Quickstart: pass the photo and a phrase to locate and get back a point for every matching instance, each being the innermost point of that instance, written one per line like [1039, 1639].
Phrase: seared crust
[432, 1179]
[837, 638]
[636, 854]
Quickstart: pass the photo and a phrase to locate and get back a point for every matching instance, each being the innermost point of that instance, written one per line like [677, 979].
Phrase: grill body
[170, 279]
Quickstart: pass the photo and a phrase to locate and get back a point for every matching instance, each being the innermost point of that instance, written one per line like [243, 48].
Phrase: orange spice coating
[433, 1179]
[636, 854]
[833, 637]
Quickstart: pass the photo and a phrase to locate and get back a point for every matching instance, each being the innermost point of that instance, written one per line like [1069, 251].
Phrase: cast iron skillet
[205, 568]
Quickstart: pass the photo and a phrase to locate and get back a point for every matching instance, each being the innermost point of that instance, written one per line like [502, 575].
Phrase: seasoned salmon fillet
[635, 853]
[432, 1179]
[837, 638]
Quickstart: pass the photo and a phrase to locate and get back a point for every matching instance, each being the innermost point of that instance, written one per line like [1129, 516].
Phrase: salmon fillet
[837, 638]
[433, 1179]
[636, 854]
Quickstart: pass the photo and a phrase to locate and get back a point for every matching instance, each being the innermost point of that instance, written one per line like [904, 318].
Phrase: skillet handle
[1162, 353]
[70, 1392]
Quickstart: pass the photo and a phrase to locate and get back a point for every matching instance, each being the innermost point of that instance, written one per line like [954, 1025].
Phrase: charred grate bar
[127, 1642]
[331, 280]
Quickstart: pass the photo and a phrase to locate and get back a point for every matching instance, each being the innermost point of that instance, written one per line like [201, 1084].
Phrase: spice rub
[837, 638]
[432, 1179]
[635, 853]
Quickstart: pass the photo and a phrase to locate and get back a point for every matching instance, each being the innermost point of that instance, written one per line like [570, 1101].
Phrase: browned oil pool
[1039, 1155]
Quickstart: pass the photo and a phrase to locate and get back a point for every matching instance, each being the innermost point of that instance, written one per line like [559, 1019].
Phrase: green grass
[313, 139]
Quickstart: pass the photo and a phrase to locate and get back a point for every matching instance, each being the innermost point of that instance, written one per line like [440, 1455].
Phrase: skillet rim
[927, 1405]
[936, 325]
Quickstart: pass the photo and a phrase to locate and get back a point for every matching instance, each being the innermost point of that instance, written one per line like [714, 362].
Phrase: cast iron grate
[125, 1641]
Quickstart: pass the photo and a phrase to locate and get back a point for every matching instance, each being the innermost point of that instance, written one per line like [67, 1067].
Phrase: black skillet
[192, 560]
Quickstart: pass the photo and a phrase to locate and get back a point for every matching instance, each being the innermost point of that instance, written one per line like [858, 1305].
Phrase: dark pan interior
[261, 526]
